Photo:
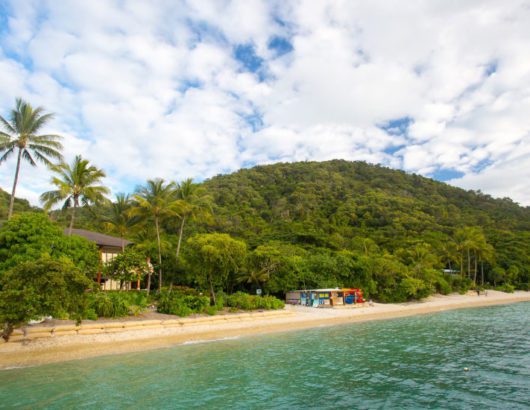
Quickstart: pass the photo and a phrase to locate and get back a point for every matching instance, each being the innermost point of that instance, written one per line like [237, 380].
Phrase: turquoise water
[415, 362]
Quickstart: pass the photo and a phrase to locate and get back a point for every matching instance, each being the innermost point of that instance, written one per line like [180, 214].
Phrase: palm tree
[156, 202]
[470, 241]
[254, 277]
[21, 135]
[119, 220]
[144, 238]
[76, 183]
[192, 203]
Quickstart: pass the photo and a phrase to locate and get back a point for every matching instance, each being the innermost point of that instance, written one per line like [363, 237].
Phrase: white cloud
[146, 91]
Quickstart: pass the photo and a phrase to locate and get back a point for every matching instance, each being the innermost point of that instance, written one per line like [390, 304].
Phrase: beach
[124, 337]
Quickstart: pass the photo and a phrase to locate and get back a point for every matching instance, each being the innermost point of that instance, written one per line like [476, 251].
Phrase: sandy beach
[117, 337]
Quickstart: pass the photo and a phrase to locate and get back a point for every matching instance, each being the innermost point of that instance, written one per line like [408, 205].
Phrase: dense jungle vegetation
[336, 223]
[275, 228]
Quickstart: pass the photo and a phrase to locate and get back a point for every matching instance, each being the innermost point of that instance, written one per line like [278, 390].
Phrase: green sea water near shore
[413, 362]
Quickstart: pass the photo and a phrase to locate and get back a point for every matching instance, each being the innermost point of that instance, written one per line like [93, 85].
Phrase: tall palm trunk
[482, 271]
[159, 256]
[149, 275]
[181, 231]
[462, 264]
[212, 292]
[72, 218]
[476, 267]
[468, 263]
[12, 199]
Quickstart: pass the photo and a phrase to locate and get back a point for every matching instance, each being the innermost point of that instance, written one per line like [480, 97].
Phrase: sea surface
[415, 362]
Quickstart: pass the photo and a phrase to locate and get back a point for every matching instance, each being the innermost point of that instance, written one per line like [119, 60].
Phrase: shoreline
[34, 352]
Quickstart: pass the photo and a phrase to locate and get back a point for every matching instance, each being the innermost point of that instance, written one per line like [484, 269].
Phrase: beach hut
[325, 297]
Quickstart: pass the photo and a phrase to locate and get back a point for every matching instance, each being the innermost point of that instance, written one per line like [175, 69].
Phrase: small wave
[201, 341]
[14, 367]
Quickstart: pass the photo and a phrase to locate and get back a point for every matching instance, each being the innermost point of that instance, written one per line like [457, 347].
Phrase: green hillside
[340, 223]
[387, 222]
[329, 203]
[21, 205]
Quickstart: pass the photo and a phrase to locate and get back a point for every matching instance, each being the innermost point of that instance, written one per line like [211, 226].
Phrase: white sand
[63, 348]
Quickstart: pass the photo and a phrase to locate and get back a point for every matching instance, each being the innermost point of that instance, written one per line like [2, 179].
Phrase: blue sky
[198, 88]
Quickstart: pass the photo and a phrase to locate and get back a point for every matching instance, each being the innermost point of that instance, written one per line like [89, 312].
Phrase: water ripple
[415, 362]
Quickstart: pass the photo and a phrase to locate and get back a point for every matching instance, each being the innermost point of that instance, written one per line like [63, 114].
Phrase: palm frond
[38, 120]
[44, 150]
[7, 154]
[9, 128]
[27, 156]
[52, 198]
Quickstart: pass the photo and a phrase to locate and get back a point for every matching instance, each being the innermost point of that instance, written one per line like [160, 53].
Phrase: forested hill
[389, 232]
[21, 205]
[330, 203]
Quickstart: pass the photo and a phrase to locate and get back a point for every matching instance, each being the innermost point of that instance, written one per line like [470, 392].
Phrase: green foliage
[29, 236]
[117, 304]
[183, 304]
[44, 287]
[354, 224]
[506, 288]
[460, 284]
[216, 258]
[443, 287]
[335, 223]
[245, 301]
[129, 265]
[20, 205]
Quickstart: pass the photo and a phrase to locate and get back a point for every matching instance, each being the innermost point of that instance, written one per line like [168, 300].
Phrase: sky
[192, 89]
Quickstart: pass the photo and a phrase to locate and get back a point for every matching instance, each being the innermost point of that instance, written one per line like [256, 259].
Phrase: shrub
[211, 310]
[117, 304]
[30, 236]
[412, 288]
[443, 287]
[506, 288]
[182, 304]
[460, 284]
[245, 301]
[45, 287]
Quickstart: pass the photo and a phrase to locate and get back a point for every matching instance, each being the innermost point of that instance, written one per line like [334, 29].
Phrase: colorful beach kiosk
[325, 297]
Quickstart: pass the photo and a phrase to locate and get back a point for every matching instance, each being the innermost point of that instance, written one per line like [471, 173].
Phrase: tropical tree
[192, 203]
[119, 219]
[155, 202]
[41, 287]
[77, 184]
[130, 265]
[20, 135]
[472, 244]
[261, 263]
[215, 257]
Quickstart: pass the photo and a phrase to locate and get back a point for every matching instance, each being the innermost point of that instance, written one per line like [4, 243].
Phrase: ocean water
[414, 362]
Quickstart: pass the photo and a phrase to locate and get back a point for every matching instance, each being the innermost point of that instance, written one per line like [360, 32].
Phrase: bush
[460, 284]
[182, 304]
[45, 287]
[117, 304]
[443, 287]
[28, 237]
[412, 288]
[506, 288]
[245, 301]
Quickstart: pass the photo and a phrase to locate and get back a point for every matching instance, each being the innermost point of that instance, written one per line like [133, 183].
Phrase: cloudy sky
[179, 89]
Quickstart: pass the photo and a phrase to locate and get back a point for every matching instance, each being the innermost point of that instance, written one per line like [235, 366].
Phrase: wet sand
[155, 335]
